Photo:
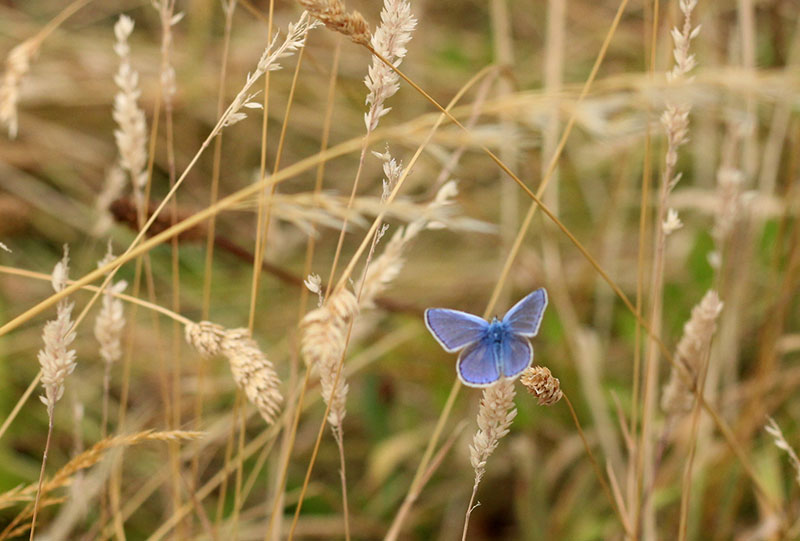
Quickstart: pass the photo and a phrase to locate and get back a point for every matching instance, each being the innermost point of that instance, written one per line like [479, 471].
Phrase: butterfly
[492, 350]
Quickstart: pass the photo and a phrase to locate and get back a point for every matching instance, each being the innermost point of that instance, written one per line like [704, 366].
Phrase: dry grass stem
[269, 61]
[677, 398]
[541, 384]
[386, 267]
[88, 458]
[252, 371]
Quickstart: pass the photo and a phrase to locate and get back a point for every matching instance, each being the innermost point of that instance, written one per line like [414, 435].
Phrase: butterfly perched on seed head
[492, 350]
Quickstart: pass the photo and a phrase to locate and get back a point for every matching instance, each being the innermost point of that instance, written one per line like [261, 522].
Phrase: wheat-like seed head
[390, 40]
[697, 332]
[333, 14]
[322, 346]
[56, 358]
[206, 337]
[495, 415]
[131, 134]
[541, 383]
[111, 319]
[252, 371]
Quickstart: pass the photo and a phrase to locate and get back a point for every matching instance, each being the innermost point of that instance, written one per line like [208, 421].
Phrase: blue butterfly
[489, 351]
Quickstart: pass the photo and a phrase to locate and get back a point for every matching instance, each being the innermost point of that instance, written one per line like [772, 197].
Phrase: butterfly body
[492, 350]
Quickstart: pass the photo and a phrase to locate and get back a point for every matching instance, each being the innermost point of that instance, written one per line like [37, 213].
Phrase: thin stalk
[208, 266]
[339, 437]
[260, 233]
[50, 409]
[686, 489]
[277, 506]
[633, 470]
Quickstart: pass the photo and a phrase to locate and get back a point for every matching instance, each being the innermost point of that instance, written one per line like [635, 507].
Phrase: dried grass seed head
[253, 372]
[56, 358]
[495, 415]
[390, 40]
[111, 319]
[540, 382]
[206, 337]
[677, 397]
[18, 64]
[332, 13]
[131, 135]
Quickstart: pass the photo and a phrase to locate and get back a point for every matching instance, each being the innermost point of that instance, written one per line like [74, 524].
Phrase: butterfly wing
[517, 355]
[454, 329]
[476, 365]
[525, 317]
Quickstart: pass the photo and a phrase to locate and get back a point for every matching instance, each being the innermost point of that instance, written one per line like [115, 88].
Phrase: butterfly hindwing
[454, 329]
[476, 365]
[517, 355]
[525, 317]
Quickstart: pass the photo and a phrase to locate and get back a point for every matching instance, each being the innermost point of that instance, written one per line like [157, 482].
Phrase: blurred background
[532, 60]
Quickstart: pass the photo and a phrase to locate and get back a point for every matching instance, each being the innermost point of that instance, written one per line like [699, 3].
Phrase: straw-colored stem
[339, 437]
[277, 507]
[50, 409]
[208, 265]
[21, 402]
[595, 466]
[686, 488]
[633, 460]
[262, 197]
[645, 457]
[470, 507]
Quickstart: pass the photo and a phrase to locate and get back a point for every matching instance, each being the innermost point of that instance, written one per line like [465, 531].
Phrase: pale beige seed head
[332, 13]
[253, 372]
[343, 305]
[495, 415]
[540, 382]
[692, 348]
[205, 336]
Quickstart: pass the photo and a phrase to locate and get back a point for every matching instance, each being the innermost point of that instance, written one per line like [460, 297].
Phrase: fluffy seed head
[697, 332]
[253, 372]
[495, 415]
[56, 358]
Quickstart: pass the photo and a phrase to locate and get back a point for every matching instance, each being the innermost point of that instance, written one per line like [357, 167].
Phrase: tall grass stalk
[57, 361]
[675, 121]
[276, 514]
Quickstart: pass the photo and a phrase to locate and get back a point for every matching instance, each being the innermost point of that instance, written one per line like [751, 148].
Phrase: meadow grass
[288, 190]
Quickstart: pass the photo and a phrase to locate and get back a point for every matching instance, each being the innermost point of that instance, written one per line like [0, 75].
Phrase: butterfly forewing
[517, 355]
[525, 317]
[454, 329]
[476, 365]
